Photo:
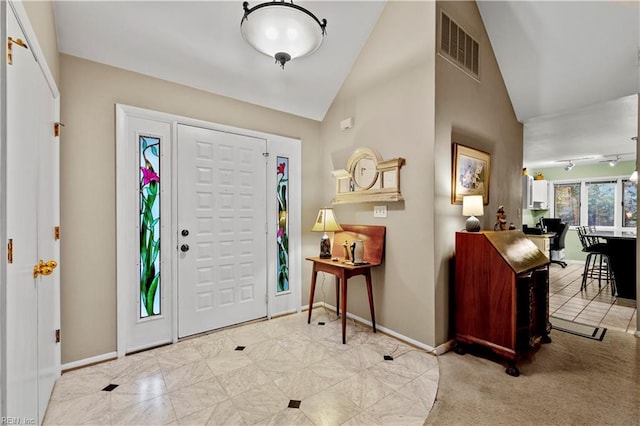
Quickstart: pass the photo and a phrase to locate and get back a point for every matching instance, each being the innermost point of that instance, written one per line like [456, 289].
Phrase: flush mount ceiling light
[282, 30]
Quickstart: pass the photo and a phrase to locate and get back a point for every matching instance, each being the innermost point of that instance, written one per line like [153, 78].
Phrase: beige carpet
[573, 380]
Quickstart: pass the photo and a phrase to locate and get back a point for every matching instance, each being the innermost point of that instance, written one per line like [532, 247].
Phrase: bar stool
[597, 263]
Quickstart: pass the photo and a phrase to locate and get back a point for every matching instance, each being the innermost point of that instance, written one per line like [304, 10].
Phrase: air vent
[458, 46]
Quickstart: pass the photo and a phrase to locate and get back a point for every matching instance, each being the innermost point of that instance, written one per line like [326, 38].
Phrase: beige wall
[43, 23]
[88, 194]
[479, 115]
[390, 95]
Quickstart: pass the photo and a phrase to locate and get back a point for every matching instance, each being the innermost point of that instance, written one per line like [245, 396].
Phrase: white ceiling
[563, 62]
[198, 44]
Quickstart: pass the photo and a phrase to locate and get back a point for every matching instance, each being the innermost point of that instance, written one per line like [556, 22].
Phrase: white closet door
[32, 302]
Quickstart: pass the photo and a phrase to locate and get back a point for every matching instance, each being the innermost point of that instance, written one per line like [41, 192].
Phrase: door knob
[185, 232]
[184, 247]
[44, 268]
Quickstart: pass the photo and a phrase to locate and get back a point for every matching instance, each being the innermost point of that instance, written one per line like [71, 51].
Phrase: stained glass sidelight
[149, 162]
[283, 224]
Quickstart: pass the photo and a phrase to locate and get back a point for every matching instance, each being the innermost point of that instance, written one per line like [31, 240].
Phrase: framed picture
[470, 173]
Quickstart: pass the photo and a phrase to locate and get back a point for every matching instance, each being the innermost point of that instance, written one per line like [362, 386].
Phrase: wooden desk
[373, 239]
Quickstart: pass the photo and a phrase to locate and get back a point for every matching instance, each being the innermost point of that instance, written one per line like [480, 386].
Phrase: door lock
[184, 248]
[44, 268]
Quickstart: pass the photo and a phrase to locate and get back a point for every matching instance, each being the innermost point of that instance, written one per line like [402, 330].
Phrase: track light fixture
[569, 166]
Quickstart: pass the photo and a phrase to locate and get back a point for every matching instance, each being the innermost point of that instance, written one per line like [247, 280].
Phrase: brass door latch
[44, 268]
[10, 42]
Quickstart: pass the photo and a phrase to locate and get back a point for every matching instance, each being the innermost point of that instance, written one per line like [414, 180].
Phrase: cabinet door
[540, 194]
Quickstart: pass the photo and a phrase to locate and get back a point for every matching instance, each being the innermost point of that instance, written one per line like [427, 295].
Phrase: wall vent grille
[458, 46]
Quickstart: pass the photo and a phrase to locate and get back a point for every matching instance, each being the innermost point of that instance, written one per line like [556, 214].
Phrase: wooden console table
[373, 239]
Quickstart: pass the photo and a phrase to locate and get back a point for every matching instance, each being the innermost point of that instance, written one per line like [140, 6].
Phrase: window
[609, 203]
[567, 203]
[629, 204]
[601, 203]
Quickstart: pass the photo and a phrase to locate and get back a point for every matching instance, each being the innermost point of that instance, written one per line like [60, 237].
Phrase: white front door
[221, 229]
[32, 361]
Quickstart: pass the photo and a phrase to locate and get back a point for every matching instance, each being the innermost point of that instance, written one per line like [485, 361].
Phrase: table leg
[312, 292]
[338, 296]
[344, 308]
[370, 293]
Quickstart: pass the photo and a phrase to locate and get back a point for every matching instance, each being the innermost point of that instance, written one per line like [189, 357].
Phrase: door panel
[48, 247]
[222, 208]
[22, 183]
[32, 303]
[145, 142]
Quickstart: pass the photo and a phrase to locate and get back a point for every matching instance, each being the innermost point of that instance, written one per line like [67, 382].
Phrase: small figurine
[345, 250]
[501, 220]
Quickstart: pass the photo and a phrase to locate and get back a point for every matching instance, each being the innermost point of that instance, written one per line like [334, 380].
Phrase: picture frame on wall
[470, 173]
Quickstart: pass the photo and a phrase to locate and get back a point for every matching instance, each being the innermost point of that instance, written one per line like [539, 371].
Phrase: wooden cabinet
[501, 294]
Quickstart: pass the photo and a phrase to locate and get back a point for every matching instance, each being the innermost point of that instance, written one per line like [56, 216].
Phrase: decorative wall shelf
[368, 178]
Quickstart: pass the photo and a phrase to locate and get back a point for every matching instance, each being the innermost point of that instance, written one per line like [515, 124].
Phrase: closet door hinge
[56, 128]
[58, 336]
[56, 232]
[10, 251]
[10, 41]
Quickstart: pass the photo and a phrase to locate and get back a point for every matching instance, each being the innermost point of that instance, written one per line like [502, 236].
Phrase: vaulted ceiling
[571, 68]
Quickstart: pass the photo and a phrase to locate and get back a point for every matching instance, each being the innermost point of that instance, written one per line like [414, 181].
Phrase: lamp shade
[282, 30]
[326, 221]
[472, 205]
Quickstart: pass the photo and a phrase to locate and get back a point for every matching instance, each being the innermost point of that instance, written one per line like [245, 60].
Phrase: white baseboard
[89, 361]
[444, 347]
[385, 330]
[637, 333]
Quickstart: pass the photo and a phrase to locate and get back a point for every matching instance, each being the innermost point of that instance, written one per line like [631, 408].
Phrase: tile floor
[593, 306]
[205, 380]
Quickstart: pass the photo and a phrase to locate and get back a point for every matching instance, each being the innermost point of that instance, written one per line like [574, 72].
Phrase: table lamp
[326, 222]
[472, 206]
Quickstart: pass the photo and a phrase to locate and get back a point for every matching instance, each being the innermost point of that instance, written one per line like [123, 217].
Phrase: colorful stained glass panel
[283, 224]
[149, 162]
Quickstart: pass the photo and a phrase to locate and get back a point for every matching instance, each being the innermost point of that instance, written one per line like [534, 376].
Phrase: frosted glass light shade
[634, 177]
[282, 30]
[472, 205]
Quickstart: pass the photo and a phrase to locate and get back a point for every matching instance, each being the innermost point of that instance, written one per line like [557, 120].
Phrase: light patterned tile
[210, 347]
[194, 398]
[133, 367]
[228, 361]
[363, 390]
[260, 403]
[156, 411]
[329, 408]
[78, 411]
[242, 379]
[288, 416]
[221, 414]
[143, 389]
[300, 383]
[168, 360]
[396, 409]
[187, 375]
[423, 389]
[80, 383]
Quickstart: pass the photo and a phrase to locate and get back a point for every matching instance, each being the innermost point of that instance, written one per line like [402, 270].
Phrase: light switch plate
[379, 211]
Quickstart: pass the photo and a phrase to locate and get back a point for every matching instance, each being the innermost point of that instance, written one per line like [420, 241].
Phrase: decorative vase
[357, 251]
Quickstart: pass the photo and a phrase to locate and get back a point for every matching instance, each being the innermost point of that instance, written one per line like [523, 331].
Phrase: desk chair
[557, 244]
